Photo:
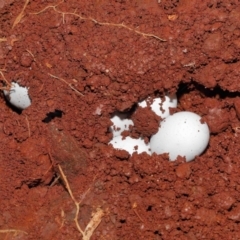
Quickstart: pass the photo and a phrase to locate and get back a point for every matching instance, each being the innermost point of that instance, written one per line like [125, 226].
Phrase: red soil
[87, 59]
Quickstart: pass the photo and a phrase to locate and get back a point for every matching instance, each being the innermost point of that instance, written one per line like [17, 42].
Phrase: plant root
[21, 14]
[69, 84]
[120, 25]
[15, 231]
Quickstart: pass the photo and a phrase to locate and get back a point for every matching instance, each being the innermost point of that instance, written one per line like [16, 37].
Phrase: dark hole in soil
[127, 113]
[54, 180]
[52, 115]
[15, 109]
[33, 183]
[185, 88]
[149, 208]
[157, 233]
[122, 221]
[230, 209]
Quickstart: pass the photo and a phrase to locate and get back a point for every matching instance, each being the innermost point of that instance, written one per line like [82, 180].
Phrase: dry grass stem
[96, 218]
[120, 25]
[69, 84]
[31, 54]
[28, 125]
[21, 14]
[15, 231]
[3, 39]
[5, 80]
[134, 206]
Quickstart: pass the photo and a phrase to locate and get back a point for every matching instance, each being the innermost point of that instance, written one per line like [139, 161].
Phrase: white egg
[18, 96]
[159, 107]
[120, 123]
[131, 145]
[181, 134]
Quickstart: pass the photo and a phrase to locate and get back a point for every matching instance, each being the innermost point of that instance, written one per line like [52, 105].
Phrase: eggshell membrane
[181, 134]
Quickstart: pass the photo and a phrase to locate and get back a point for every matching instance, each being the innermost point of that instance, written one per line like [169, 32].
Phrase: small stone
[187, 210]
[183, 171]
[213, 42]
[224, 200]
[206, 216]
[235, 214]
[26, 59]
[237, 106]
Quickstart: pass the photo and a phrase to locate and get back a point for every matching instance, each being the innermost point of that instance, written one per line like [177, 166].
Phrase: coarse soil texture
[84, 60]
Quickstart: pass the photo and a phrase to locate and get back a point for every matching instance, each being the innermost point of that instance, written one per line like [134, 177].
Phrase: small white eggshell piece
[129, 144]
[161, 109]
[120, 123]
[181, 134]
[18, 96]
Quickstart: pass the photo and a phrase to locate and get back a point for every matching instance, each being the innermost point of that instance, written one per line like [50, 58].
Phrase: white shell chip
[18, 96]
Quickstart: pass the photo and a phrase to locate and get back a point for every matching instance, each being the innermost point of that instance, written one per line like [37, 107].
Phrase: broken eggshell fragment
[130, 145]
[161, 106]
[18, 96]
[121, 122]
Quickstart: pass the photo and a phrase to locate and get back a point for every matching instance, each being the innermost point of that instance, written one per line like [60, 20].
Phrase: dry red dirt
[83, 60]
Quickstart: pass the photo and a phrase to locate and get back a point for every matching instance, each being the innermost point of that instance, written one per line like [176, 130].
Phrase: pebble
[235, 214]
[183, 171]
[224, 200]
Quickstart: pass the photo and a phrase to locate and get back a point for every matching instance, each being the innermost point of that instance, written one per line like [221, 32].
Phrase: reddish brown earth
[83, 60]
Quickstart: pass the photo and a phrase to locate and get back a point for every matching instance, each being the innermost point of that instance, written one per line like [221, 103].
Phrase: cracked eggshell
[120, 123]
[18, 96]
[159, 107]
[130, 145]
[181, 134]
